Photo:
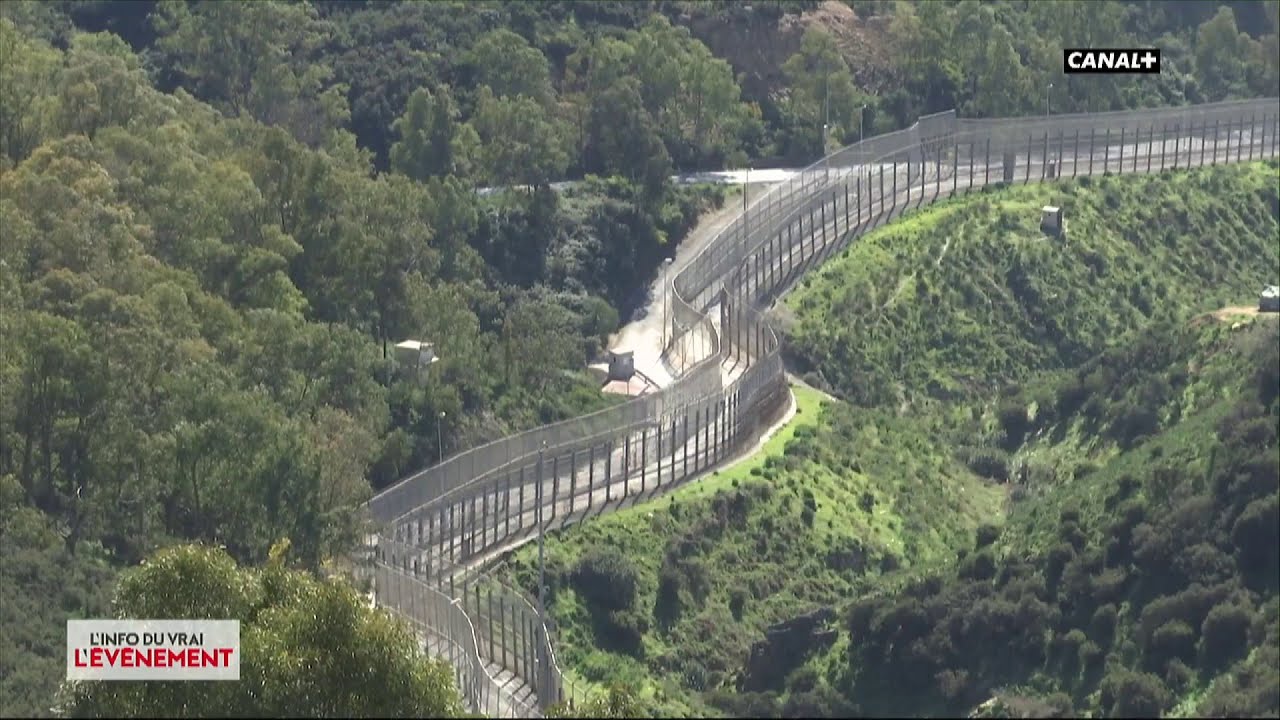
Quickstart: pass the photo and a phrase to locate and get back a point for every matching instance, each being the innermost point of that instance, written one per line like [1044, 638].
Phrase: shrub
[1013, 420]
[979, 566]
[1133, 694]
[986, 535]
[606, 578]
[737, 603]
[1102, 627]
[1174, 639]
[1224, 634]
[1089, 656]
[1057, 560]
[667, 606]
[1178, 676]
[803, 680]
[867, 501]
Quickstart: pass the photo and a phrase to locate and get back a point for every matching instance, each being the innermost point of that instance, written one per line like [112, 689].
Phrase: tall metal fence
[439, 528]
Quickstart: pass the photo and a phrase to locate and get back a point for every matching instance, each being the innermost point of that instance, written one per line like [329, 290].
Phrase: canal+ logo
[1111, 60]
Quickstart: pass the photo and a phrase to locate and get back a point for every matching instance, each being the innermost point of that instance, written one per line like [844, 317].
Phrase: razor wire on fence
[441, 527]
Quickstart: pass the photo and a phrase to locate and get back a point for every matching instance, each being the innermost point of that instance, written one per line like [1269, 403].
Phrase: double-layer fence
[439, 528]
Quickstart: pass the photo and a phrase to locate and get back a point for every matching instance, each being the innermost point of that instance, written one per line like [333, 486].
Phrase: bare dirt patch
[1235, 311]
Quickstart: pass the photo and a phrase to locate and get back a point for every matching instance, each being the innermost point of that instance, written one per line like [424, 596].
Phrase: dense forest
[217, 218]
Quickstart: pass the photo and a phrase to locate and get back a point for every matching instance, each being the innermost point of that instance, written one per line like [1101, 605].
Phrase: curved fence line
[440, 527]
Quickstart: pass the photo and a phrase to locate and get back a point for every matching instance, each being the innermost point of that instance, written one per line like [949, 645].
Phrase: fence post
[686, 442]
[882, 200]
[489, 595]
[1204, 140]
[671, 466]
[1177, 143]
[521, 510]
[823, 219]
[453, 532]
[608, 473]
[591, 476]
[1026, 177]
[1044, 161]
[1216, 123]
[1164, 138]
[506, 504]
[1151, 145]
[626, 465]
[644, 458]
[555, 488]
[657, 483]
[1121, 171]
[469, 532]
[573, 479]
[955, 166]
[986, 180]
[895, 186]
[484, 517]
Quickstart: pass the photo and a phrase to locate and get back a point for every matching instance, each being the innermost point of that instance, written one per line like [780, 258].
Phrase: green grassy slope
[945, 588]
[1146, 585]
[957, 300]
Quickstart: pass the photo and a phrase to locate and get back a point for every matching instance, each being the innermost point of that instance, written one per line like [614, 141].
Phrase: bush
[867, 501]
[979, 566]
[803, 680]
[1132, 694]
[1013, 420]
[737, 603]
[1102, 628]
[1174, 639]
[1224, 634]
[606, 578]
[667, 605]
[1089, 656]
[986, 535]
[1178, 676]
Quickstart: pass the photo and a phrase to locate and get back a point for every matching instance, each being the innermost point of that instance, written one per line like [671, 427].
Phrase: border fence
[438, 528]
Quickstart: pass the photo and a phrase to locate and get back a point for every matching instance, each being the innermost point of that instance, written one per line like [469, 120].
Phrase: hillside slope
[956, 301]
[864, 565]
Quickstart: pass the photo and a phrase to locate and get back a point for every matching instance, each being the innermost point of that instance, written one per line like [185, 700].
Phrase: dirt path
[1233, 311]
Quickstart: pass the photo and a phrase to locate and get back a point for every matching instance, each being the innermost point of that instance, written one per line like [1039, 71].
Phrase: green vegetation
[644, 592]
[958, 301]
[218, 217]
[304, 642]
[1063, 481]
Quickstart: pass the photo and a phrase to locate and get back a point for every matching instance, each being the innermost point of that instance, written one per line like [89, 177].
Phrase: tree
[822, 88]
[520, 144]
[431, 143]
[255, 59]
[504, 61]
[1222, 53]
[309, 646]
[27, 72]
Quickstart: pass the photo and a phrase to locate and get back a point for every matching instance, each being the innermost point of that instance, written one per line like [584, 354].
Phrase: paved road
[572, 506]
